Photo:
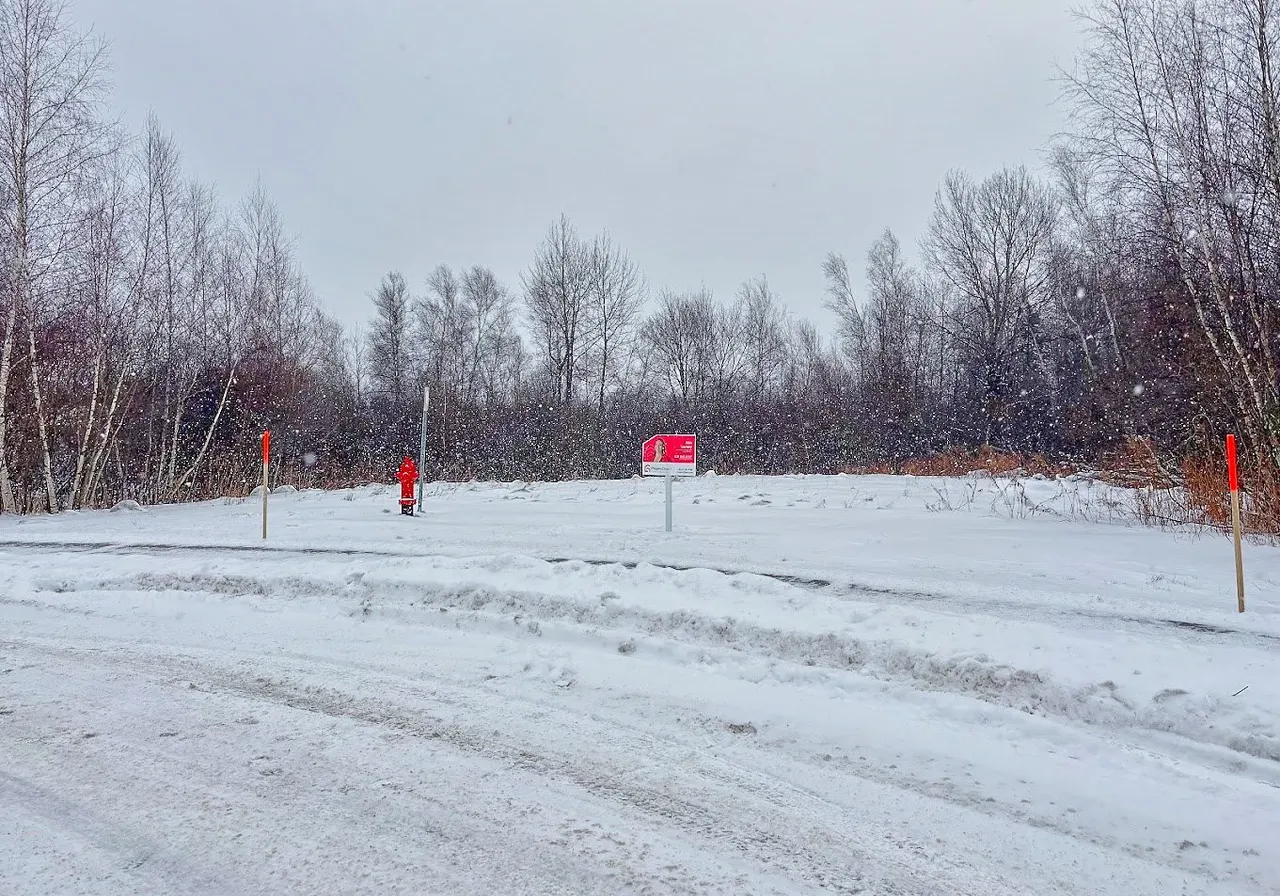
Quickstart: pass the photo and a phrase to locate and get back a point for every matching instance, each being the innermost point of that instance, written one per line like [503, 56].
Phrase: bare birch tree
[1176, 106]
[51, 87]
[234, 322]
[8, 325]
[162, 290]
[107, 325]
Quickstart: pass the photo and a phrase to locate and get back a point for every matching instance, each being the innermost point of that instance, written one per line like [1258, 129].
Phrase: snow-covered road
[814, 685]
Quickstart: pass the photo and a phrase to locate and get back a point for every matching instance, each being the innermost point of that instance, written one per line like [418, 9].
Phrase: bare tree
[51, 82]
[1091, 230]
[989, 242]
[1176, 107]
[355, 348]
[679, 340]
[764, 332]
[389, 334]
[617, 293]
[896, 318]
[440, 322]
[235, 319]
[108, 319]
[697, 346]
[9, 316]
[842, 301]
[280, 303]
[194, 345]
[162, 289]
[489, 319]
[510, 375]
[729, 353]
[557, 293]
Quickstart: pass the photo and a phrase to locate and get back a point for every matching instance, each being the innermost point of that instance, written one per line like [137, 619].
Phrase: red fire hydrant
[408, 475]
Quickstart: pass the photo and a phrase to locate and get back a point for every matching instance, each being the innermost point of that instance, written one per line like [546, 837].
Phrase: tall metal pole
[668, 478]
[266, 463]
[422, 448]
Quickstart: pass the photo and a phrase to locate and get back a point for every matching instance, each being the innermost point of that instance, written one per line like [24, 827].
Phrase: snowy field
[813, 685]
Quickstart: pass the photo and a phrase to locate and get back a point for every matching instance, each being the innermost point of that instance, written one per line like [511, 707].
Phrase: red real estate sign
[670, 455]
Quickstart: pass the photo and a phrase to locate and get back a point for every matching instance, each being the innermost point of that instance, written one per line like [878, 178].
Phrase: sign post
[266, 461]
[422, 447]
[668, 479]
[669, 456]
[1233, 477]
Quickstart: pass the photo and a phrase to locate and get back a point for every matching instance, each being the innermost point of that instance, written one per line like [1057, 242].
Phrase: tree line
[151, 330]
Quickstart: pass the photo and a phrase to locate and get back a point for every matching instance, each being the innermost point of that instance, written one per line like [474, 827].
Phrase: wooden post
[1233, 477]
[266, 462]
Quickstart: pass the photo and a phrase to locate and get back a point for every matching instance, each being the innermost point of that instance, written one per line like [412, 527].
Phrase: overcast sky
[716, 139]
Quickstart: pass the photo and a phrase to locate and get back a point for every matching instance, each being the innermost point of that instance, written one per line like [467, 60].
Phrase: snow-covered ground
[814, 684]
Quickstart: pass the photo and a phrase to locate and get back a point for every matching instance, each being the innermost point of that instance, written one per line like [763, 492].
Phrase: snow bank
[697, 617]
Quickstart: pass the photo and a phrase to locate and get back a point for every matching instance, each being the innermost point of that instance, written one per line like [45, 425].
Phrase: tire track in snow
[778, 826]
[292, 786]
[133, 854]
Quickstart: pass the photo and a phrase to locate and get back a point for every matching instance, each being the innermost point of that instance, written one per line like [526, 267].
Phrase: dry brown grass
[1260, 497]
[961, 462]
[1165, 491]
[1206, 489]
[1194, 491]
[1136, 465]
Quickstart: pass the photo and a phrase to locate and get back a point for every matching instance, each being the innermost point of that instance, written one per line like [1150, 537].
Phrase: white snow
[814, 684]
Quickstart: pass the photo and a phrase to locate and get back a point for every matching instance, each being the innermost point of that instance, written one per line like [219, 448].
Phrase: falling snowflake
[1137, 390]
[309, 458]
[1230, 198]
[1079, 292]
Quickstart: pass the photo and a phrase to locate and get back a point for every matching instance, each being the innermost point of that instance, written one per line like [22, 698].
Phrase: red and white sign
[670, 455]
